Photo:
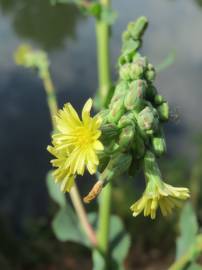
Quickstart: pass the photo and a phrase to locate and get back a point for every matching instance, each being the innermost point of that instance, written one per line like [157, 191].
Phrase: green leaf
[168, 61]
[98, 260]
[188, 230]
[54, 190]
[194, 266]
[119, 246]
[66, 227]
[119, 242]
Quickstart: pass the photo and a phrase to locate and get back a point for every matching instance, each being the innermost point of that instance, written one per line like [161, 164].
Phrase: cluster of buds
[132, 124]
[26, 56]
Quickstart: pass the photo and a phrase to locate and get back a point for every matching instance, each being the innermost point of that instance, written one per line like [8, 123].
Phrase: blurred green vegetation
[36, 20]
[199, 2]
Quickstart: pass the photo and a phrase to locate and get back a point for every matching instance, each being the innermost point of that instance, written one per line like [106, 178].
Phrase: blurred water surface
[69, 39]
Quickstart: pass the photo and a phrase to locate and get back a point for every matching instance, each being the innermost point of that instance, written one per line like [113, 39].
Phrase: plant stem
[51, 96]
[81, 213]
[104, 219]
[74, 193]
[102, 34]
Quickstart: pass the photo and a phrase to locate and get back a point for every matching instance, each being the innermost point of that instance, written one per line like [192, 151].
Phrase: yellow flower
[75, 144]
[158, 193]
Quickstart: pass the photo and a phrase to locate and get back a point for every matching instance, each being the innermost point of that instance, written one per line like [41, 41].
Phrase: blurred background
[27, 241]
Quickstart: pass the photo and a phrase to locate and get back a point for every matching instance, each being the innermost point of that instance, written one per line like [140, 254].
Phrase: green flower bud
[124, 72]
[125, 36]
[147, 119]
[159, 144]
[137, 28]
[128, 56]
[116, 166]
[109, 132]
[126, 136]
[150, 75]
[141, 61]
[121, 88]
[126, 120]
[136, 71]
[104, 115]
[134, 98]
[158, 100]
[116, 111]
[163, 111]
[131, 46]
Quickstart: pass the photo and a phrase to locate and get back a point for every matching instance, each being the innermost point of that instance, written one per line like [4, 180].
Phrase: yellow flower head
[158, 193]
[75, 144]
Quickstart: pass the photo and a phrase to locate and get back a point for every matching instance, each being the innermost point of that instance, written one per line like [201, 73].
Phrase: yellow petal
[98, 146]
[86, 110]
[67, 184]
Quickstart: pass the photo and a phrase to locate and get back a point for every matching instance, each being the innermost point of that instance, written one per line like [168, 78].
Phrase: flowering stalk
[29, 58]
[102, 34]
[51, 96]
[103, 59]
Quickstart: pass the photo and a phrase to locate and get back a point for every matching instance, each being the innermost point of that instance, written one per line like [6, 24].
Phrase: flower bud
[109, 132]
[121, 88]
[141, 61]
[150, 75]
[126, 120]
[131, 46]
[137, 28]
[134, 98]
[136, 71]
[147, 119]
[159, 144]
[126, 136]
[125, 36]
[163, 111]
[124, 72]
[116, 166]
[104, 114]
[158, 100]
[116, 111]
[128, 55]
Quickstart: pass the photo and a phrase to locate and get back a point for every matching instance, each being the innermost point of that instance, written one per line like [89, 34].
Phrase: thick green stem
[104, 220]
[102, 32]
[74, 193]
